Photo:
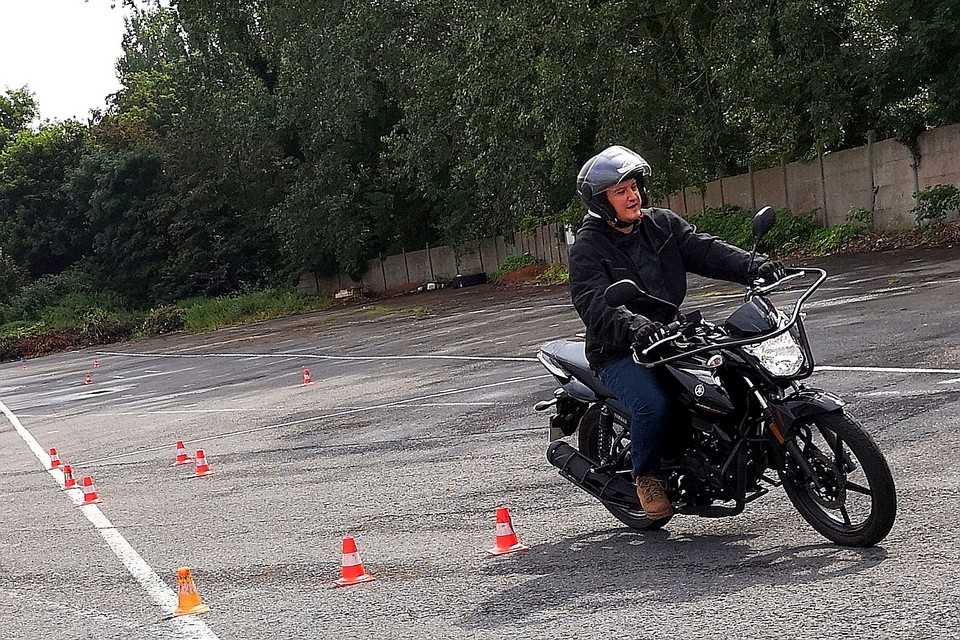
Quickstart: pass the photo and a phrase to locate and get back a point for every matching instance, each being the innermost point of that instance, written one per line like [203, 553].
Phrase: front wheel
[851, 499]
[589, 438]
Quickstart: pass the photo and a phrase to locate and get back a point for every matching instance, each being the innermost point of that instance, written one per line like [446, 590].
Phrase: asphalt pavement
[418, 425]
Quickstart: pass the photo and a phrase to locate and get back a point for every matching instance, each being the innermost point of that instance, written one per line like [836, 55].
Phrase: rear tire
[856, 504]
[588, 442]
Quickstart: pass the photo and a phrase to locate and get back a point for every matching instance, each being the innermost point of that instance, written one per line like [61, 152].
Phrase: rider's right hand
[649, 333]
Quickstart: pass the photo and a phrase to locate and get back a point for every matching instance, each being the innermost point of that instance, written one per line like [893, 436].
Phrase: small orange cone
[89, 491]
[54, 458]
[189, 598]
[202, 468]
[68, 481]
[506, 538]
[351, 571]
[182, 456]
[306, 377]
[96, 364]
[87, 379]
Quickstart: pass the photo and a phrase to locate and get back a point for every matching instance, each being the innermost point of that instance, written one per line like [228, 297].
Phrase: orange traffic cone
[506, 538]
[182, 456]
[96, 364]
[54, 458]
[87, 379]
[202, 468]
[306, 377]
[351, 571]
[89, 491]
[189, 598]
[68, 481]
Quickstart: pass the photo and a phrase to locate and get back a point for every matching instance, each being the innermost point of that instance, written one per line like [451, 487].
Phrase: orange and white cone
[96, 364]
[351, 571]
[202, 468]
[306, 377]
[187, 595]
[506, 538]
[54, 458]
[89, 491]
[87, 379]
[182, 456]
[68, 481]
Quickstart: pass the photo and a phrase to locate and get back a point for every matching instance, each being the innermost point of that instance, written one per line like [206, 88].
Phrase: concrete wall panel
[939, 156]
[418, 265]
[847, 182]
[736, 191]
[803, 187]
[694, 200]
[769, 189]
[896, 181]
[713, 195]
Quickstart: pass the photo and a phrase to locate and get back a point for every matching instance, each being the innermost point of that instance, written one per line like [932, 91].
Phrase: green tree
[40, 227]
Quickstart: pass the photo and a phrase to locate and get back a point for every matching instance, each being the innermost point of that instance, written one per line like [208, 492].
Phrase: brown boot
[653, 498]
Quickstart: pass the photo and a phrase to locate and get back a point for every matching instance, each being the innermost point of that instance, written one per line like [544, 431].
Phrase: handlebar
[752, 291]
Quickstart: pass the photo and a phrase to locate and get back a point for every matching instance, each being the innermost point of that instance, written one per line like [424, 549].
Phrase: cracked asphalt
[418, 426]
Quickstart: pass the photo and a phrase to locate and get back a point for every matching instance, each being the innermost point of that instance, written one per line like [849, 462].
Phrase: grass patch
[212, 313]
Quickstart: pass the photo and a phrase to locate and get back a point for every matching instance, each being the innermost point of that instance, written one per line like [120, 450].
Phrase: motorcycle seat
[572, 356]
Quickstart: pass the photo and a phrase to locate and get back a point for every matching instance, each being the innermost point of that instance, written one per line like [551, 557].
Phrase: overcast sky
[63, 50]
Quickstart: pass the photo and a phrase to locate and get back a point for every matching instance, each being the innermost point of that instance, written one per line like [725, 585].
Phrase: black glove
[770, 271]
[649, 333]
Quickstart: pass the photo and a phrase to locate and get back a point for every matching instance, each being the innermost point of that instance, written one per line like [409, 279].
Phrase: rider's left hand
[770, 271]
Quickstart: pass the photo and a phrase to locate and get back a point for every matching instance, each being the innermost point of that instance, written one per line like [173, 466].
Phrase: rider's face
[625, 200]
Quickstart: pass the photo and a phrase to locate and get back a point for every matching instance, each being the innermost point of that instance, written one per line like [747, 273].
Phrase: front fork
[779, 434]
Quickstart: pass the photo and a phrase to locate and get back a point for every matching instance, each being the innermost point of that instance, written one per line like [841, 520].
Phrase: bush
[790, 233]
[934, 204]
[733, 224]
[164, 320]
[515, 263]
[555, 274]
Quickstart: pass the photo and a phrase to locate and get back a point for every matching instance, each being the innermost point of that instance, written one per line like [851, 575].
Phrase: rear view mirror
[622, 292]
[762, 223]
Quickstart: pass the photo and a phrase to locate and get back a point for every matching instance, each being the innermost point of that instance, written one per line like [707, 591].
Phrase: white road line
[474, 358]
[189, 627]
[950, 381]
[315, 356]
[887, 370]
[336, 414]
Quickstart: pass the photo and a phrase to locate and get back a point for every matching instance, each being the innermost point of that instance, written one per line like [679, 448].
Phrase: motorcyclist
[623, 237]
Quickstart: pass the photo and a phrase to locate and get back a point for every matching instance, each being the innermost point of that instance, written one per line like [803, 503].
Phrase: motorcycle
[741, 414]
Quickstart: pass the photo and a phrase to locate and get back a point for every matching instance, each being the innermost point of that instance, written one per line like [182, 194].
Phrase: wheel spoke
[853, 486]
[846, 516]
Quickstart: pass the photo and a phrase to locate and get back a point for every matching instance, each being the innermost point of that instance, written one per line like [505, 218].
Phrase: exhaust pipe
[581, 471]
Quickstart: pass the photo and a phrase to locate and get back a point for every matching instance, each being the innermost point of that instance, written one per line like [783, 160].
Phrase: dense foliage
[253, 140]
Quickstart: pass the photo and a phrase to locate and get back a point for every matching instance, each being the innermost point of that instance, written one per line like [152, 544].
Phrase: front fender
[803, 404]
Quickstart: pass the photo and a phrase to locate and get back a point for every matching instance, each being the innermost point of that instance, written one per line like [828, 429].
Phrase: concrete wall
[880, 177]
[410, 269]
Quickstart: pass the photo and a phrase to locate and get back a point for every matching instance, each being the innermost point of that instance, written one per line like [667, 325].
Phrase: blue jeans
[639, 389]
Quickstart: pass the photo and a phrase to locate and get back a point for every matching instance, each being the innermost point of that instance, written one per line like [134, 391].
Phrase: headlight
[781, 356]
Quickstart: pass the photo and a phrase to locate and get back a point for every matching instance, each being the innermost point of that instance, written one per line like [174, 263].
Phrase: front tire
[855, 503]
[588, 442]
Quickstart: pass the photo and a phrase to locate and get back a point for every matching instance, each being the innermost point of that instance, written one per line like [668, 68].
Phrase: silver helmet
[611, 166]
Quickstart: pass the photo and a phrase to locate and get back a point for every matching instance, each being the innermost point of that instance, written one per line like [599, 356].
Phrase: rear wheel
[589, 442]
[852, 498]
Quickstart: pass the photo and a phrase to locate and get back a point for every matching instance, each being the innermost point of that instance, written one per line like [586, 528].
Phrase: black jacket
[656, 255]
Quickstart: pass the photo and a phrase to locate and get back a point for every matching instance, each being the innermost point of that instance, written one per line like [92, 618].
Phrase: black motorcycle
[740, 414]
